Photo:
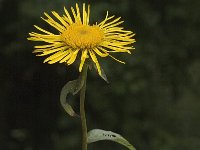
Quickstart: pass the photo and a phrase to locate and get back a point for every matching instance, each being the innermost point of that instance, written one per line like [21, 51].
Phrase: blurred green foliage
[153, 100]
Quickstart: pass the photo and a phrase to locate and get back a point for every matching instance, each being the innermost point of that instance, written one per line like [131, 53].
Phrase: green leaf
[98, 135]
[71, 87]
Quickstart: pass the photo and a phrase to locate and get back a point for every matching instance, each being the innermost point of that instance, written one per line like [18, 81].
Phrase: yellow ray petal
[47, 32]
[47, 52]
[117, 49]
[88, 15]
[50, 19]
[78, 13]
[73, 57]
[74, 14]
[106, 19]
[68, 15]
[112, 51]
[112, 22]
[94, 58]
[53, 23]
[59, 53]
[100, 53]
[67, 57]
[60, 18]
[50, 45]
[84, 15]
[83, 58]
[117, 59]
[58, 58]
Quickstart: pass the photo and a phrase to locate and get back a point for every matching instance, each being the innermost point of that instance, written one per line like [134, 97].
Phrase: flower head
[76, 36]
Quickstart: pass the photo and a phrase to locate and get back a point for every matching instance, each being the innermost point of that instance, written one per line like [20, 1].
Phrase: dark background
[153, 100]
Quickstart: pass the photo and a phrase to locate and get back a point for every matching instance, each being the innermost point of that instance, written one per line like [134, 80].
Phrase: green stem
[82, 108]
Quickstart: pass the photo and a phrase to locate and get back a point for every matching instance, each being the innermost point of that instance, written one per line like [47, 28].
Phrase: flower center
[82, 36]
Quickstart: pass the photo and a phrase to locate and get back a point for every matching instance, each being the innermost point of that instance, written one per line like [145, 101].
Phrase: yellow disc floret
[82, 36]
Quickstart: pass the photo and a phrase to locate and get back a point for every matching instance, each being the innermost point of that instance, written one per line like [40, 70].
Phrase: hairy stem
[82, 108]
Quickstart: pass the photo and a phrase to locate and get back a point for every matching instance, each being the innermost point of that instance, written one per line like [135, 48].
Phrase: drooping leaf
[71, 87]
[98, 135]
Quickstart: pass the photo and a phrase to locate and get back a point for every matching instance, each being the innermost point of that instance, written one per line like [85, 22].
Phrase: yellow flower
[76, 36]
